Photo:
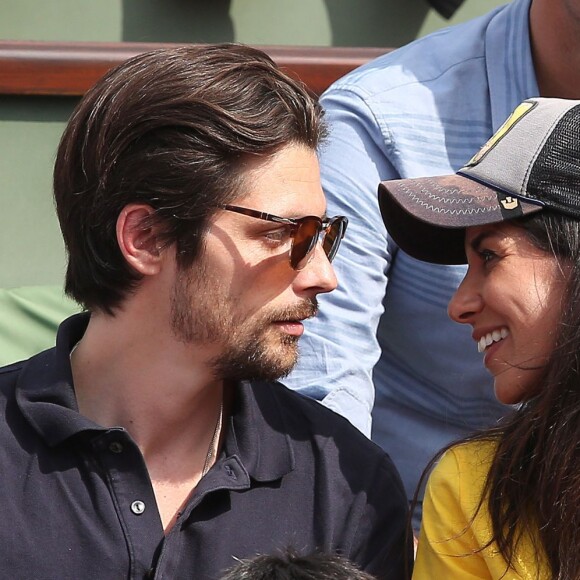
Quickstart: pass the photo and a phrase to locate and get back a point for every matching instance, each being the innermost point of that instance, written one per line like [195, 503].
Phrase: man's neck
[129, 371]
[555, 34]
[142, 379]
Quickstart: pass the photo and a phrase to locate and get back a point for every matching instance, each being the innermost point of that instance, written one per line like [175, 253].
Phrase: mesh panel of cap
[555, 176]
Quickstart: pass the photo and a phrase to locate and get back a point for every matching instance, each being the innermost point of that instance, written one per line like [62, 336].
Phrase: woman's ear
[138, 240]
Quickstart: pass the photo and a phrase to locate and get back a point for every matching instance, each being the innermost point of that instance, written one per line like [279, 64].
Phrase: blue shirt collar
[507, 41]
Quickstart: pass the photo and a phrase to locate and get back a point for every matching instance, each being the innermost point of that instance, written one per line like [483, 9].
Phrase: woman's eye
[487, 255]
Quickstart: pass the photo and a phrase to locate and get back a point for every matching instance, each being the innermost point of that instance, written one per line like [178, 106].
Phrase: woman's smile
[511, 296]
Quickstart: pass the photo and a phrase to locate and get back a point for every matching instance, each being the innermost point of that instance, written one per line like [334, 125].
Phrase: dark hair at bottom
[291, 565]
[533, 486]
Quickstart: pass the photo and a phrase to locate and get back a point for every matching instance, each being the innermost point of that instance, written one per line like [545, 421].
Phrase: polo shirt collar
[257, 432]
[45, 392]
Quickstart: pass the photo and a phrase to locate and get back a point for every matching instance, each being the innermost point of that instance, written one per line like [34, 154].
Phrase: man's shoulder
[310, 409]
[428, 60]
[9, 375]
[11, 369]
[305, 419]
[32, 369]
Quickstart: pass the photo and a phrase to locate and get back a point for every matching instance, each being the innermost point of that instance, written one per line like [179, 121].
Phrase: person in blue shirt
[384, 336]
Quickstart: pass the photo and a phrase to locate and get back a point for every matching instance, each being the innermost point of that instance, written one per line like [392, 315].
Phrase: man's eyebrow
[323, 217]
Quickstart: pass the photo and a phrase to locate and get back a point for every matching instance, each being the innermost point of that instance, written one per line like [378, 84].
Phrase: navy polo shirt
[76, 500]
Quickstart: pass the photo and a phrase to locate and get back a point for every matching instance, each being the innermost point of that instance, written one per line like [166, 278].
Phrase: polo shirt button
[138, 507]
[116, 447]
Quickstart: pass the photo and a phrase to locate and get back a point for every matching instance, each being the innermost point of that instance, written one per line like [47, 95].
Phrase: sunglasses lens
[333, 237]
[305, 239]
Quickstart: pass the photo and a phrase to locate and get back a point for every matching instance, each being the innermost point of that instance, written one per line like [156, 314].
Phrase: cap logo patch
[509, 206]
[519, 112]
[509, 203]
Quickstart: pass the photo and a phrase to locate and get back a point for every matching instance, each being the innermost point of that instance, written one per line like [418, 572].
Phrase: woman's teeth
[490, 338]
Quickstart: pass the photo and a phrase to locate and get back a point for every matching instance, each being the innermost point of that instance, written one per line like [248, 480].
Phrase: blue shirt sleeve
[423, 109]
[339, 348]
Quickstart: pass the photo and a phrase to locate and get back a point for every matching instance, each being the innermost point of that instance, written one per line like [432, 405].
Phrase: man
[424, 109]
[188, 193]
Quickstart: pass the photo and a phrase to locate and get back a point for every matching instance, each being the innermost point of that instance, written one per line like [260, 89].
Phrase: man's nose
[318, 277]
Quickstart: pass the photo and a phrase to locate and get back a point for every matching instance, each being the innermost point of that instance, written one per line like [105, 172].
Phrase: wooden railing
[69, 69]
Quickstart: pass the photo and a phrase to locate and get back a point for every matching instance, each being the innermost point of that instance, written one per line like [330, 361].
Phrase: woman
[506, 503]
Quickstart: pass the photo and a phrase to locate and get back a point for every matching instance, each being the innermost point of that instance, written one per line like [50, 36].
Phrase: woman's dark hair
[171, 129]
[533, 485]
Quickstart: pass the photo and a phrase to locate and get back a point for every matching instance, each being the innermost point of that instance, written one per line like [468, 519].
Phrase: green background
[30, 247]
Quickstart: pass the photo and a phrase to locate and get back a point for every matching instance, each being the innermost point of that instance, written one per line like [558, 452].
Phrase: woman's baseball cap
[531, 163]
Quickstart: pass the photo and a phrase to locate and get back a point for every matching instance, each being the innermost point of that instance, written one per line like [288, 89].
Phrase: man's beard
[251, 348]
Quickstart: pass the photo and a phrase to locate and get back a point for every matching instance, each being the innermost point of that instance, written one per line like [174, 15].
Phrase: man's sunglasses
[305, 233]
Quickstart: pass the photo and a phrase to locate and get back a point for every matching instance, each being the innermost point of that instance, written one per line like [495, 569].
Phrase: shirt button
[138, 507]
[116, 447]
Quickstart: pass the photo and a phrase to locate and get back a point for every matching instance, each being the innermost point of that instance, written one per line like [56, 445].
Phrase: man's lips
[292, 327]
[290, 320]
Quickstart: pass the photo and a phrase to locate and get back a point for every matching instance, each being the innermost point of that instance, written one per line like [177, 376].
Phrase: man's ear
[138, 240]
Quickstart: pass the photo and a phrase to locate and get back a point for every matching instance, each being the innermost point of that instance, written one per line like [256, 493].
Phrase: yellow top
[448, 542]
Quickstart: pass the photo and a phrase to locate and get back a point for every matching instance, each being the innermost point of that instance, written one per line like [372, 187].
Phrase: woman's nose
[466, 302]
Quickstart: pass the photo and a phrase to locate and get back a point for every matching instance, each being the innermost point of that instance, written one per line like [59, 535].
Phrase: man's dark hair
[293, 566]
[171, 129]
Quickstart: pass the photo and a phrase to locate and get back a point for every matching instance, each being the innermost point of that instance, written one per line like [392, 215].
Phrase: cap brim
[427, 216]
